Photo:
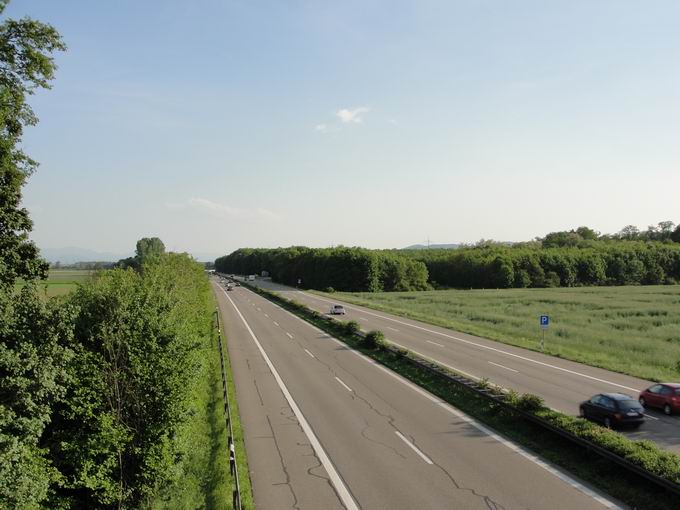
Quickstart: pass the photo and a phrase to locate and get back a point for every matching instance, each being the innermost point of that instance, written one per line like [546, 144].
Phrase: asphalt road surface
[326, 427]
[562, 384]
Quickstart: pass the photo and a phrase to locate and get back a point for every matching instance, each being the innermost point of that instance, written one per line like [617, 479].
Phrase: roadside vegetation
[629, 488]
[108, 394]
[633, 330]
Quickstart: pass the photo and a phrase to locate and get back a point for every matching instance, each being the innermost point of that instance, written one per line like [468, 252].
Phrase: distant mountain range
[73, 254]
[432, 247]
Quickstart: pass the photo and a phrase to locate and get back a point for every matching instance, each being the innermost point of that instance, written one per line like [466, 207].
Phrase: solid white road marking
[434, 343]
[340, 487]
[503, 366]
[650, 416]
[289, 335]
[340, 381]
[494, 349]
[413, 447]
[445, 405]
[310, 353]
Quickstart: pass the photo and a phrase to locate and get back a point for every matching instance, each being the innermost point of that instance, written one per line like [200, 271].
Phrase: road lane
[374, 430]
[563, 384]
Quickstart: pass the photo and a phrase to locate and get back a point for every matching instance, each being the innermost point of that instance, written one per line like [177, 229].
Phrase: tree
[587, 234]
[675, 236]
[629, 232]
[25, 65]
[148, 247]
[30, 331]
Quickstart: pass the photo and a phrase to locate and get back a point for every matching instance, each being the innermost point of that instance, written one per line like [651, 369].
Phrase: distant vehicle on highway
[230, 286]
[251, 278]
[613, 409]
[664, 396]
[337, 310]
[238, 284]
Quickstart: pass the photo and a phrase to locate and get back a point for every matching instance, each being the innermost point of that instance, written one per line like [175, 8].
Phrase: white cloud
[352, 116]
[224, 210]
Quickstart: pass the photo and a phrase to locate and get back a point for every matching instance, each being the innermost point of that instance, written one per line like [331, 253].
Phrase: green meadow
[62, 281]
[633, 330]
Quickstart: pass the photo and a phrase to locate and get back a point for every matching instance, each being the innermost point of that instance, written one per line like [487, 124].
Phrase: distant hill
[432, 247]
[73, 254]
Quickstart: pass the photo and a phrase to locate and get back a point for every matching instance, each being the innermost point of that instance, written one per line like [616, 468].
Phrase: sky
[218, 124]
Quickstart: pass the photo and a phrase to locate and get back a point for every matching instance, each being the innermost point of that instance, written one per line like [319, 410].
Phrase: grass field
[62, 281]
[633, 330]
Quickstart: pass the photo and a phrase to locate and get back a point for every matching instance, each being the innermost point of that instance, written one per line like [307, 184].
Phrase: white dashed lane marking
[340, 381]
[413, 447]
[503, 366]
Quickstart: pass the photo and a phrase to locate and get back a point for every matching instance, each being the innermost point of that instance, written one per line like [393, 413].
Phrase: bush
[351, 327]
[374, 339]
[529, 402]
[329, 290]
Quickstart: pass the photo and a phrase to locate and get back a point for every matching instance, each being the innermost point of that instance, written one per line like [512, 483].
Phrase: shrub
[529, 402]
[374, 339]
[329, 290]
[351, 327]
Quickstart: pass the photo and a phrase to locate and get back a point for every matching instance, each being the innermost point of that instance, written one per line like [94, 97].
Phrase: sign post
[544, 323]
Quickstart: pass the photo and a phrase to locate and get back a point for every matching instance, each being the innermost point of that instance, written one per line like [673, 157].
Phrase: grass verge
[602, 474]
[202, 479]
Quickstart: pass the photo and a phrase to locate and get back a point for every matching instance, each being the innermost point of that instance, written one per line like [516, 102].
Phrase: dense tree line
[560, 259]
[531, 265]
[341, 268]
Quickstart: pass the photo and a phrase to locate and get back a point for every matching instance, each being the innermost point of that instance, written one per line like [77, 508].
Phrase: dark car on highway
[665, 396]
[613, 409]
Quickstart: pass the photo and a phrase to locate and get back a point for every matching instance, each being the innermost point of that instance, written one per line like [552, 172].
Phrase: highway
[326, 427]
[563, 384]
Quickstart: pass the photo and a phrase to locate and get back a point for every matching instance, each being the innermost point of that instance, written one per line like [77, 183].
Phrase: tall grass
[633, 330]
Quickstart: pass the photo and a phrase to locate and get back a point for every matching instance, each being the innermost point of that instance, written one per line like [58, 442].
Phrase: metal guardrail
[500, 399]
[233, 467]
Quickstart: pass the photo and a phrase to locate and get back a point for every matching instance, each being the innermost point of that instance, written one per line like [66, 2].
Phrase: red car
[665, 396]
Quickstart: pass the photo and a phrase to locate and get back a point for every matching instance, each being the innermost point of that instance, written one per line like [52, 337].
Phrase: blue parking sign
[544, 321]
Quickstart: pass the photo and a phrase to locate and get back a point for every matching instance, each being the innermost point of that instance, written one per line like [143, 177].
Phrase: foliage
[26, 64]
[113, 437]
[558, 263]
[352, 327]
[146, 249]
[31, 361]
[374, 339]
[30, 330]
[342, 268]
